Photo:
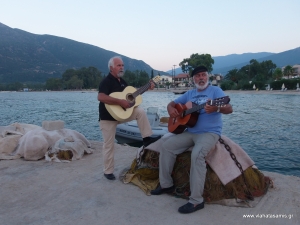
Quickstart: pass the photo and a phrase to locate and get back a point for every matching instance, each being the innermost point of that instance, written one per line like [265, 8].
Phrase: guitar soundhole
[130, 98]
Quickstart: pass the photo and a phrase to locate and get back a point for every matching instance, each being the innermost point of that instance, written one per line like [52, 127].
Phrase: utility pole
[174, 75]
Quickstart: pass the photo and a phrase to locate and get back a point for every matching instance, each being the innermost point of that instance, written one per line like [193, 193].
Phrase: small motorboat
[179, 92]
[129, 132]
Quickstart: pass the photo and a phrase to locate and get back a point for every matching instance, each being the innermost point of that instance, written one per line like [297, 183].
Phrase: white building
[296, 71]
[164, 79]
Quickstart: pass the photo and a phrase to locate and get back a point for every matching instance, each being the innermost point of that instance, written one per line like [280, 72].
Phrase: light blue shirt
[212, 122]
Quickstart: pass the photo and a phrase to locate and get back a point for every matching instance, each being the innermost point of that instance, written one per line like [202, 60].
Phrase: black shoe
[159, 190]
[189, 208]
[150, 140]
[110, 176]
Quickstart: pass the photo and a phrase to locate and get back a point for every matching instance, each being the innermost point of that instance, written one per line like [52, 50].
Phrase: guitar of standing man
[131, 95]
[189, 114]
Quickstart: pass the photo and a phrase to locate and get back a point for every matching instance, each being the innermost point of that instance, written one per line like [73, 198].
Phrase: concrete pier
[41, 192]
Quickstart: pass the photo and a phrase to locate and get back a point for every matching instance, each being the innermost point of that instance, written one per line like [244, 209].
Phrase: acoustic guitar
[130, 94]
[189, 114]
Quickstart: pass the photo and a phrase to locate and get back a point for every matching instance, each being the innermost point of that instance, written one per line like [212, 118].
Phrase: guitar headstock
[220, 101]
[156, 79]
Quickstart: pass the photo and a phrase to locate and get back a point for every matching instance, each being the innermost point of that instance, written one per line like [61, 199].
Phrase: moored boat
[129, 132]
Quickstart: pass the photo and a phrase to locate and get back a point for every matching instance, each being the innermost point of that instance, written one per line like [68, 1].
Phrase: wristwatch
[219, 107]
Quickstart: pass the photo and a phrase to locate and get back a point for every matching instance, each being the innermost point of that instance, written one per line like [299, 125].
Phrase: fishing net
[147, 177]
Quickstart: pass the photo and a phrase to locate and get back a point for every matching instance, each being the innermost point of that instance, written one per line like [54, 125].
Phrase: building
[182, 80]
[296, 71]
[165, 79]
[216, 79]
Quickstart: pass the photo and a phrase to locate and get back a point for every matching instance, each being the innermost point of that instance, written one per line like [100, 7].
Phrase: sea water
[266, 126]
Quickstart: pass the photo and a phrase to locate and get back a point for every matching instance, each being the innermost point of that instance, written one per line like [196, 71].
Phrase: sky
[163, 32]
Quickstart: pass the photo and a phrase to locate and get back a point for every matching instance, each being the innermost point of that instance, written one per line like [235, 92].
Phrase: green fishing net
[147, 172]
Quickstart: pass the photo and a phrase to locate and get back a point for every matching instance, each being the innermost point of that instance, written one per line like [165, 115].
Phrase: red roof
[182, 75]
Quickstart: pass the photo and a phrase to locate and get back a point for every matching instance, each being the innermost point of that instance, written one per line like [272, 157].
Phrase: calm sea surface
[266, 126]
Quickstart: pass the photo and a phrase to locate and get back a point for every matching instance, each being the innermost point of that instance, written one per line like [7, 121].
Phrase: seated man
[203, 136]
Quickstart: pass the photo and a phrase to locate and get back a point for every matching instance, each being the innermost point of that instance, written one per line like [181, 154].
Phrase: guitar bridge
[174, 120]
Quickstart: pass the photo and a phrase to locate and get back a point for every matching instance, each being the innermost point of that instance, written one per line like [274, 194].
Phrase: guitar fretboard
[141, 90]
[194, 109]
[218, 102]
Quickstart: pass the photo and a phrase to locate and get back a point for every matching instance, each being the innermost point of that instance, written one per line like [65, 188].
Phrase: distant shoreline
[288, 92]
[173, 90]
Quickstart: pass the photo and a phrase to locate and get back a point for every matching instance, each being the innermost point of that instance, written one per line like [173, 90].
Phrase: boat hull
[130, 133]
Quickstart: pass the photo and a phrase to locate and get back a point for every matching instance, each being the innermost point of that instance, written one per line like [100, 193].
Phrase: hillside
[225, 63]
[27, 57]
[290, 57]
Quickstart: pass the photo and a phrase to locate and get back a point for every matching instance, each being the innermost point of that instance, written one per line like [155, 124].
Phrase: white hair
[111, 61]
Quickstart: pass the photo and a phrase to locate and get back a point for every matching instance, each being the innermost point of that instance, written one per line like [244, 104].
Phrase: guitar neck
[194, 109]
[141, 90]
[218, 102]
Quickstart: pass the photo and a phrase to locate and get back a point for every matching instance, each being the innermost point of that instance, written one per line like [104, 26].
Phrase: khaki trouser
[177, 144]
[108, 129]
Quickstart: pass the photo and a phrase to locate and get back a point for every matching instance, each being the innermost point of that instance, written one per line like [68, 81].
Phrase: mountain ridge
[289, 57]
[28, 57]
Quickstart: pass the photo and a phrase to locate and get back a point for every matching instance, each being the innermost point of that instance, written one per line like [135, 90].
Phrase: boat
[129, 133]
[179, 92]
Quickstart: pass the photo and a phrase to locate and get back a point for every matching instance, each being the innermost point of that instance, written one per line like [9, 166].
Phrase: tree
[54, 84]
[90, 78]
[288, 70]
[254, 68]
[16, 86]
[255, 71]
[143, 78]
[267, 67]
[277, 75]
[232, 75]
[130, 78]
[227, 85]
[137, 78]
[68, 74]
[188, 64]
[75, 83]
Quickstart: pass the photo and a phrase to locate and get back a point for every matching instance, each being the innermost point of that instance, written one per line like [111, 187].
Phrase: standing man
[113, 82]
[203, 136]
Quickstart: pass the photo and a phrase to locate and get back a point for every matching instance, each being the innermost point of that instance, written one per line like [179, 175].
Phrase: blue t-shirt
[212, 122]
